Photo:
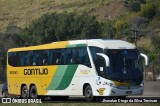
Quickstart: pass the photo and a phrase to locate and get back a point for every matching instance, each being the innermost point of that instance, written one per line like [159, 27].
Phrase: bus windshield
[125, 65]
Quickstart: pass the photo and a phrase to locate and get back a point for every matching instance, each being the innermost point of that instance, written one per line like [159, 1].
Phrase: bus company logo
[36, 71]
[101, 91]
[6, 100]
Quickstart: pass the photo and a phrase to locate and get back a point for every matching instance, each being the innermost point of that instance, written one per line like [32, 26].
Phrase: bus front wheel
[88, 93]
[33, 92]
[24, 92]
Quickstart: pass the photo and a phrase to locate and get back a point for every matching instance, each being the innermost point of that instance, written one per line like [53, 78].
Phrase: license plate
[128, 92]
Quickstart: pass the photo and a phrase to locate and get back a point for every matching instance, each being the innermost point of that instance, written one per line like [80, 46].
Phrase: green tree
[155, 53]
[107, 29]
[148, 10]
[7, 41]
[121, 27]
[135, 5]
[60, 26]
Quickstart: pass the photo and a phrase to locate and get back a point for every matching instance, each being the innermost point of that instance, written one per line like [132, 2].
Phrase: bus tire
[33, 92]
[88, 94]
[24, 92]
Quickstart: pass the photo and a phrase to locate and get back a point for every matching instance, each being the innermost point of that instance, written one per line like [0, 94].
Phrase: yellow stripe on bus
[54, 45]
[121, 83]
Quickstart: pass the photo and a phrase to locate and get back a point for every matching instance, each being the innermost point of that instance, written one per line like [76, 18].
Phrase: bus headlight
[113, 85]
[110, 84]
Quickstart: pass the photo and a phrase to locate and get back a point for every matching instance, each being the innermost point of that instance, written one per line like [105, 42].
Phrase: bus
[92, 68]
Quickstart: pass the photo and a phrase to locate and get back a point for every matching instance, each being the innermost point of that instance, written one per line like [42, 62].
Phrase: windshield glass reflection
[125, 65]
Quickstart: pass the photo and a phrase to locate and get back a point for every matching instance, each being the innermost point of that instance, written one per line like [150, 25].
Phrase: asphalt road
[151, 90]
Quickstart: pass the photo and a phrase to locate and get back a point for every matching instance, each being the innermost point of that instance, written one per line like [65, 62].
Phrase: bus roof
[111, 44]
[102, 43]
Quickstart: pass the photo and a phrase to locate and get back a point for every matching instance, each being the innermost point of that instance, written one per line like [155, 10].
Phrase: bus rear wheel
[24, 92]
[88, 93]
[33, 92]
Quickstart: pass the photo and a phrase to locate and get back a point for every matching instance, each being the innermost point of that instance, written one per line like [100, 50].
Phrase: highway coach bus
[93, 68]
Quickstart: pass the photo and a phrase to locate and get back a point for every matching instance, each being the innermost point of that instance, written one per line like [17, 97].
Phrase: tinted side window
[83, 57]
[50, 57]
[11, 59]
[45, 57]
[14, 59]
[56, 56]
[98, 61]
[75, 58]
[28, 58]
[69, 54]
[21, 55]
[37, 58]
[72, 56]
[95, 50]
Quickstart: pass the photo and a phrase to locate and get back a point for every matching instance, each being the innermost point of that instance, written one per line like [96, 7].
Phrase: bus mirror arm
[105, 57]
[145, 57]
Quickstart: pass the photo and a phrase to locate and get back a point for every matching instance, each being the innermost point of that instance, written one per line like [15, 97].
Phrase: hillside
[124, 14]
[22, 12]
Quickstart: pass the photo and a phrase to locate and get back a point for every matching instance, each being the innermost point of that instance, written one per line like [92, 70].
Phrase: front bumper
[112, 91]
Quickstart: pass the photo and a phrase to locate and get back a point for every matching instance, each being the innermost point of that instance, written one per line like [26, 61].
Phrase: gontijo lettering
[36, 71]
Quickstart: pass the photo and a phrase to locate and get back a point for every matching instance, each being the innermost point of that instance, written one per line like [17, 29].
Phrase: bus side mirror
[105, 57]
[145, 57]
